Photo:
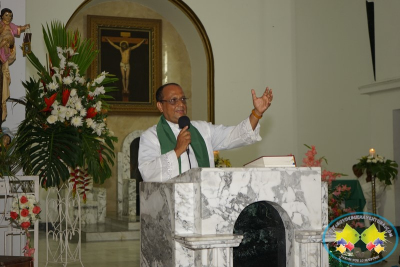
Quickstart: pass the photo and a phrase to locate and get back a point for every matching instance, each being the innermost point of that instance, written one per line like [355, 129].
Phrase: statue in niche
[8, 31]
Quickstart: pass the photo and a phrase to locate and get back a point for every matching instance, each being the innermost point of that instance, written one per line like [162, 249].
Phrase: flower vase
[62, 226]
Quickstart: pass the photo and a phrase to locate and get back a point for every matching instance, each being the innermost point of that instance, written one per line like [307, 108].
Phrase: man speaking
[176, 145]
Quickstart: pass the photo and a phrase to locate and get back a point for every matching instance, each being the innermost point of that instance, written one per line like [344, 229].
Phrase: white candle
[372, 152]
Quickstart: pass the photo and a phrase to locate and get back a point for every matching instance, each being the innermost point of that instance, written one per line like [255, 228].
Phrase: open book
[272, 161]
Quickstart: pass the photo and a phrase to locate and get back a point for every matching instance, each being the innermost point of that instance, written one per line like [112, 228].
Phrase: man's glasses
[173, 101]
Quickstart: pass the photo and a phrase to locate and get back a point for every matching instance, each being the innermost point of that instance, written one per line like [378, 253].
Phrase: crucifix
[125, 45]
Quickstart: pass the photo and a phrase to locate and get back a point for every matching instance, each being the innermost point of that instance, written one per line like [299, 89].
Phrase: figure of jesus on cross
[125, 51]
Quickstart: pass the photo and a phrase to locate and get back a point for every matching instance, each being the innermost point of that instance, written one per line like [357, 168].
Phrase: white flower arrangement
[66, 112]
[75, 108]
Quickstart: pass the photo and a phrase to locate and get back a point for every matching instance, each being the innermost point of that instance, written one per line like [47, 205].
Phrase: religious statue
[7, 55]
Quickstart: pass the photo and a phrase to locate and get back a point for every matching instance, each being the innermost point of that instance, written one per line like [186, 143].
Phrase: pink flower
[28, 252]
[309, 160]
[345, 188]
[336, 193]
[328, 176]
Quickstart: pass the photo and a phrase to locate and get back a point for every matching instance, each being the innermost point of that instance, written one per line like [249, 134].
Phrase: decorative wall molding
[380, 86]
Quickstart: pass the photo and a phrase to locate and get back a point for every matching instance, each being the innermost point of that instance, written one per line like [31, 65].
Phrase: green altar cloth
[356, 199]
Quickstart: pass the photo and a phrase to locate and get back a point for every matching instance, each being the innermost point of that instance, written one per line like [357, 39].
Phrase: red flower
[75, 41]
[13, 215]
[65, 96]
[100, 155]
[49, 102]
[23, 199]
[25, 225]
[36, 210]
[91, 112]
[24, 212]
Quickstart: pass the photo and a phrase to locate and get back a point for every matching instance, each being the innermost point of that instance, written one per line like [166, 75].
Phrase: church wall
[333, 60]
[253, 45]
[382, 104]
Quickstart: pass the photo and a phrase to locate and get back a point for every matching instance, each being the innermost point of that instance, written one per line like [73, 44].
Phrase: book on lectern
[272, 161]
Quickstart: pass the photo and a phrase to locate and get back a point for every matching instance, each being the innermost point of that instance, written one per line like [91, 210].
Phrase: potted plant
[383, 169]
[64, 138]
[65, 124]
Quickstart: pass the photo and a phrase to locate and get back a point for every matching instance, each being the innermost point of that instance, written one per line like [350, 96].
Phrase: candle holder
[373, 192]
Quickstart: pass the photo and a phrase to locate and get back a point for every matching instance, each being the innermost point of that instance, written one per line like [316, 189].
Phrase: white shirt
[155, 167]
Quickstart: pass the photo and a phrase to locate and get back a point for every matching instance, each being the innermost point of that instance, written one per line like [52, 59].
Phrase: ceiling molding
[380, 86]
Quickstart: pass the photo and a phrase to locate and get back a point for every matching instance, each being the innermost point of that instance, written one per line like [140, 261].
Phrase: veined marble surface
[126, 187]
[208, 201]
[94, 210]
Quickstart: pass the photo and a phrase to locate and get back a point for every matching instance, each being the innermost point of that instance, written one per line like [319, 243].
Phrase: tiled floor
[126, 253]
[99, 254]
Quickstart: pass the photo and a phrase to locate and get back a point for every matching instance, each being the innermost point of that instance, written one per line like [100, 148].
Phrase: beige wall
[314, 54]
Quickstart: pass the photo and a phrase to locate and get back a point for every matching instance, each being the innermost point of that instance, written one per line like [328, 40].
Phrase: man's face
[172, 113]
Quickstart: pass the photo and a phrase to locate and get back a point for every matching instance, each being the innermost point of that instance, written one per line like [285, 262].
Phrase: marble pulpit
[190, 220]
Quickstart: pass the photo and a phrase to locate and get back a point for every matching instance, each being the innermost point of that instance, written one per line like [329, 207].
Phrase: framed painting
[129, 48]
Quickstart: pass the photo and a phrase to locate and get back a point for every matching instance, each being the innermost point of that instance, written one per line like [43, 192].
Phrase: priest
[166, 150]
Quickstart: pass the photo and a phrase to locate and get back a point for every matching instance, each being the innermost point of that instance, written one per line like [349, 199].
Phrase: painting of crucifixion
[131, 50]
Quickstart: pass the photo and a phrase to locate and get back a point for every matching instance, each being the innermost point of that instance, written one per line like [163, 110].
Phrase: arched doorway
[263, 233]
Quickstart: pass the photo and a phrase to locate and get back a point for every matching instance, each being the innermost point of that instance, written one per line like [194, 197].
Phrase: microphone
[183, 122]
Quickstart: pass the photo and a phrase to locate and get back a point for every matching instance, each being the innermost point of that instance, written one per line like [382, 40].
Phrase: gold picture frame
[130, 48]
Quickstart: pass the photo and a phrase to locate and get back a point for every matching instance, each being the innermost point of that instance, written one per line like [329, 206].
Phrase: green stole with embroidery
[167, 141]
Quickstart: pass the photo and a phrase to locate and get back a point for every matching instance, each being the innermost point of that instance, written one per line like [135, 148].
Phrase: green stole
[168, 142]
